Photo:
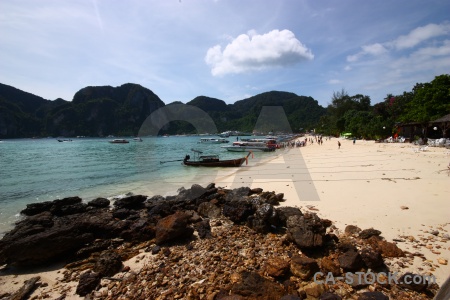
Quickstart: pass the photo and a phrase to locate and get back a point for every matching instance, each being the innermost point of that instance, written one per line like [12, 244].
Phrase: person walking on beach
[339, 145]
[354, 140]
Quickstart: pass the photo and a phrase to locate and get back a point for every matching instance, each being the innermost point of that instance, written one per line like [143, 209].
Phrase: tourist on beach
[354, 140]
[339, 145]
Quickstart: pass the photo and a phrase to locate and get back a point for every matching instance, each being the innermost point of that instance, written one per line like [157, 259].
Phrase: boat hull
[222, 163]
[246, 149]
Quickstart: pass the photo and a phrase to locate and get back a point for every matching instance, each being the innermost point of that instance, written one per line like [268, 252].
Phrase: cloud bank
[408, 41]
[253, 52]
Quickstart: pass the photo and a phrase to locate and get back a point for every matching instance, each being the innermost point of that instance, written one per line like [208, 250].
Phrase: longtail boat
[214, 161]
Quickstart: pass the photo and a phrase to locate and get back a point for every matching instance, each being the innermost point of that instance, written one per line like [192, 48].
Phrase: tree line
[425, 103]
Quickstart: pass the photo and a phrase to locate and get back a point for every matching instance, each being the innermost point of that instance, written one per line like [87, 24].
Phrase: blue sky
[225, 49]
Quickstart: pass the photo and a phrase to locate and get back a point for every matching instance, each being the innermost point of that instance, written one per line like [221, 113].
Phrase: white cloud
[334, 81]
[420, 34]
[374, 49]
[412, 39]
[253, 52]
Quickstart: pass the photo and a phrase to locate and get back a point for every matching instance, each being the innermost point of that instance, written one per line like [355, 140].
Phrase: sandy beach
[366, 184]
[390, 187]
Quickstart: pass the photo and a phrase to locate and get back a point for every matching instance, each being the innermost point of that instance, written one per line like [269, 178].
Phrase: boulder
[304, 267]
[307, 231]
[285, 212]
[372, 258]
[276, 267]
[406, 281]
[351, 261]
[55, 205]
[30, 243]
[373, 296]
[87, 283]
[99, 203]
[108, 263]
[203, 228]
[173, 227]
[367, 233]
[209, 210]
[131, 202]
[237, 211]
[386, 248]
[254, 286]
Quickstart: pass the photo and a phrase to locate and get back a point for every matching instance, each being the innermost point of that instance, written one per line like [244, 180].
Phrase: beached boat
[119, 141]
[213, 141]
[249, 146]
[213, 160]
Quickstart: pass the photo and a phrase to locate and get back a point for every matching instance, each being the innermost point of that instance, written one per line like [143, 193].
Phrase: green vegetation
[106, 110]
[426, 102]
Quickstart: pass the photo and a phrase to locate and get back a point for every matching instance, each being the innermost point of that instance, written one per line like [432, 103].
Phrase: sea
[37, 170]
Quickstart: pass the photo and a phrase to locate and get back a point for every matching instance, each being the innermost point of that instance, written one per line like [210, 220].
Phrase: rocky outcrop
[204, 243]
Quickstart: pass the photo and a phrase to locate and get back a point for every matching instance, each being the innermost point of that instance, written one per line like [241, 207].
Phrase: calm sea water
[36, 170]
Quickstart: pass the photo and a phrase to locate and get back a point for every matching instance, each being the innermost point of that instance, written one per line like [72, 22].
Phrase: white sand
[365, 185]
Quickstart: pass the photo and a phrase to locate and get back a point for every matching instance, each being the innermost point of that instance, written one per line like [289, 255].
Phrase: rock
[209, 210]
[131, 202]
[442, 261]
[237, 211]
[55, 205]
[290, 297]
[159, 209]
[65, 210]
[330, 264]
[254, 286]
[256, 191]
[407, 281]
[96, 246]
[203, 228]
[404, 207]
[122, 213]
[304, 267]
[351, 261]
[238, 194]
[367, 233]
[25, 291]
[373, 296]
[108, 263]
[99, 203]
[285, 212]
[387, 249]
[372, 258]
[156, 249]
[306, 231]
[352, 230]
[434, 232]
[173, 227]
[276, 267]
[313, 290]
[67, 235]
[329, 296]
[87, 283]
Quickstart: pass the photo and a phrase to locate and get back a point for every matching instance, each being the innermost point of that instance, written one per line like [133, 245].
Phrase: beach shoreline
[388, 187]
[391, 187]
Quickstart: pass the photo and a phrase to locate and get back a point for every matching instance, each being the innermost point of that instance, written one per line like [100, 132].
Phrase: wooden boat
[119, 141]
[248, 146]
[213, 161]
[213, 140]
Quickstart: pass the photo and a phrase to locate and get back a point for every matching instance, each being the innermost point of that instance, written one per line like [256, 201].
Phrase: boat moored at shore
[213, 141]
[119, 141]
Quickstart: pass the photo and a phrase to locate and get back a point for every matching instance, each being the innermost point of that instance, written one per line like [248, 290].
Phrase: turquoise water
[36, 170]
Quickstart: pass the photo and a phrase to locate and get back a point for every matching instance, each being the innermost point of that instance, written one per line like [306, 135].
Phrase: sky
[224, 49]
